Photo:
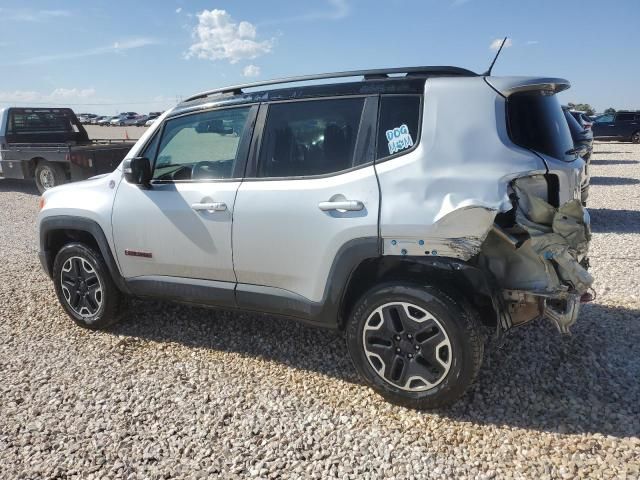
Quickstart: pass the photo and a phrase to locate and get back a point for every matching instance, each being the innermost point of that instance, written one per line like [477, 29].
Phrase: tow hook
[563, 313]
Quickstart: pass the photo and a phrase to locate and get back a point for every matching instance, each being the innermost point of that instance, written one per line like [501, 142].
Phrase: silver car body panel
[156, 231]
[281, 237]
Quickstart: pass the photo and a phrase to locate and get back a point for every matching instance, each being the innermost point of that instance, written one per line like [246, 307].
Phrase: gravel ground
[175, 391]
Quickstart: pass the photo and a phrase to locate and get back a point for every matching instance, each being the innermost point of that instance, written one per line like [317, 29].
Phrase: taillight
[41, 203]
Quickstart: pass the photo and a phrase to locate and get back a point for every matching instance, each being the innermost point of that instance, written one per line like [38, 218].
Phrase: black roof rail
[375, 74]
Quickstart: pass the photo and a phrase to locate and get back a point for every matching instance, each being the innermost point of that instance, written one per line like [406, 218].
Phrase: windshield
[536, 121]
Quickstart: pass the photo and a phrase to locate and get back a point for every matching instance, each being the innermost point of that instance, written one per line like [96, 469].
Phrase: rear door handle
[209, 207]
[344, 205]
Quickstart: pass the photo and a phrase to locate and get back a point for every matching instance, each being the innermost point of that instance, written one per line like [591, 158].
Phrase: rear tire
[49, 175]
[635, 137]
[415, 345]
[85, 288]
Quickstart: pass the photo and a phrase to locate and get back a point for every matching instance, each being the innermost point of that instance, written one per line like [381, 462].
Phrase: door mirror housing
[137, 171]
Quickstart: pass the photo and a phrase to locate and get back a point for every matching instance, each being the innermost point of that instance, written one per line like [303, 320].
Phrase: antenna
[488, 72]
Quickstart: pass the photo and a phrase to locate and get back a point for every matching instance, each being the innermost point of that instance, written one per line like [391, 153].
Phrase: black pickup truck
[52, 147]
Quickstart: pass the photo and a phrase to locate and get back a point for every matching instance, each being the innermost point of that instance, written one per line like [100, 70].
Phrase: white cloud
[178, 10]
[495, 45]
[218, 37]
[57, 95]
[116, 47]
[251, 71]
[133, 43]
[31, 15]
[73, 93]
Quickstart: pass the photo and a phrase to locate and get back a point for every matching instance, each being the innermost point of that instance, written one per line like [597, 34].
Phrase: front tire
[85, 288]
[49, 175]
[415, 345]
[635, 138]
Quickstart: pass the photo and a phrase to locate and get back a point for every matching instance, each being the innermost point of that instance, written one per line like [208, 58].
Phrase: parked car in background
[150, 122]
[131, 120]
[96, 120]
[152, 118]
[622, 125]
[50, 146]
[106, 121]
[141, 120]
[583, 146]
[124, 119]
[85, 118]
[415, 238]
[582, 118]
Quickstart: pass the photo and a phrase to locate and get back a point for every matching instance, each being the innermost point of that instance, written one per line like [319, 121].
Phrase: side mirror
[138, 171]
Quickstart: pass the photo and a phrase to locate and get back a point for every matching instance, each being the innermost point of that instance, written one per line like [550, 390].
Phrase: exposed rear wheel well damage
[460, 280]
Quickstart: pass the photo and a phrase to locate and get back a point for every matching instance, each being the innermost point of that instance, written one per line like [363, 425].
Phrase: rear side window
[43, 125]
[625, 117]
[311, 137]
[537, 122]
[398, 125]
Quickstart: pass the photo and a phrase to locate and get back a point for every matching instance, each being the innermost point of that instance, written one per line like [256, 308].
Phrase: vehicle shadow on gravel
[538, 380]
[610, 181]
[613, 162]
[21, 186]
[607, 220]
[586, 382]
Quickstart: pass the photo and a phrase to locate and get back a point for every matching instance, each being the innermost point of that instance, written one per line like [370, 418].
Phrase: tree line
[588, 109]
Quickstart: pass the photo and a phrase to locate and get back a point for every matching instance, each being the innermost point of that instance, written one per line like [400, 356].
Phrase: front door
[603, 126]
[181, 225]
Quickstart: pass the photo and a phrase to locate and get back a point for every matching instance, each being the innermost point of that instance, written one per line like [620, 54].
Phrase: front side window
[604, 119]
[398, 126]
[312, 137]
[200, 146]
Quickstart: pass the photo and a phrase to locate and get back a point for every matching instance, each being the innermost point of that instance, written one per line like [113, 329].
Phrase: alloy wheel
[407, 346]
[81, 286]
[47, 179]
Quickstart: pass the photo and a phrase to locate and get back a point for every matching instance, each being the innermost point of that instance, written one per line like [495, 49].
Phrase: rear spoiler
[506, 86]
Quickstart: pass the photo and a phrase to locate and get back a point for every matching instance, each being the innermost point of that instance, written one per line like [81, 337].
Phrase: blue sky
[109, 56]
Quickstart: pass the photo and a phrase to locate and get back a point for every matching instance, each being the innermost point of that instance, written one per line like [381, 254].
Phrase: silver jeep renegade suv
[413, 208]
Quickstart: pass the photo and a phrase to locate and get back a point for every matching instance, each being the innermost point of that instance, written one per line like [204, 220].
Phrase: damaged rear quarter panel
[448, 190]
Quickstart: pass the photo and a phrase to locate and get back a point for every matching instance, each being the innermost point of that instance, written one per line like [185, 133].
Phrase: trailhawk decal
[399, 138]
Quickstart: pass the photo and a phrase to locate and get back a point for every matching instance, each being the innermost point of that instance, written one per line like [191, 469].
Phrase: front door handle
[342, 205]
[209, 207]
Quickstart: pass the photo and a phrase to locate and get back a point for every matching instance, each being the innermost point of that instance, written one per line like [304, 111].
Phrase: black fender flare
[48, 225]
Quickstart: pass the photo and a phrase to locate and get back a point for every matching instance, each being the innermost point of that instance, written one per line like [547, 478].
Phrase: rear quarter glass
[398, 128]
[537, 122]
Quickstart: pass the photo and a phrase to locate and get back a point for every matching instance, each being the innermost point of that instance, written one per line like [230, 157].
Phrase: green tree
[585, 107]
[610, 110]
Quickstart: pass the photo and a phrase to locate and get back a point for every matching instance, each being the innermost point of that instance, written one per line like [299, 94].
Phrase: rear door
[310, 190]
[624, 125]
